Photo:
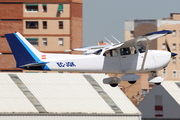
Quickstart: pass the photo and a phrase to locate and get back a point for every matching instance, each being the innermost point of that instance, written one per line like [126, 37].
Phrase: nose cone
[173, 54]
[162, 58]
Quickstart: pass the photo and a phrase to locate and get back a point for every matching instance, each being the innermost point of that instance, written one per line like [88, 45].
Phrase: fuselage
[131, 63]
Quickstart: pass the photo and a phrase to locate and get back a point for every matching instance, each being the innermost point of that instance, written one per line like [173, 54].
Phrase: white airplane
[127, 57]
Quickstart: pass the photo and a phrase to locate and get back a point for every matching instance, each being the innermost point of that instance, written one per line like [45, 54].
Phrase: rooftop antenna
[109, 41]
[115, 39]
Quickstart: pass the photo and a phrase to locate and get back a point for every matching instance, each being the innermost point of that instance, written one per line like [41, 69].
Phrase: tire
[113, 85]
[157, 83]
[132, 82]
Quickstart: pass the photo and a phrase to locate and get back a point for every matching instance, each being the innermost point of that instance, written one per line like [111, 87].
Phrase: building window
[163, 46]
[61, 42]
[60, 8]
[163, 73]
[44, 41]
[174, 59]
[179, 74]
[174, 33]
[174, 46]
[31, 24]
[44, 24]
[60, 24]
[32, 7]
[44, 6]
[33, 41]
[144, 92]
[132, 33]
[174, 74]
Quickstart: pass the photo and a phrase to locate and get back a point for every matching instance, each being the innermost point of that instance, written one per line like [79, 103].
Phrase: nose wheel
[155, 79]
[154, 73]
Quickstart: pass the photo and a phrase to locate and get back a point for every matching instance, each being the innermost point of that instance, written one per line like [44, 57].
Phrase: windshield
[111, 53]
[98, 52]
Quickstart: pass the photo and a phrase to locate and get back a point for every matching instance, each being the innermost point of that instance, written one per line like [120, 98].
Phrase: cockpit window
[125, 51]
[111, 53]
[128, 51]
[141, 48]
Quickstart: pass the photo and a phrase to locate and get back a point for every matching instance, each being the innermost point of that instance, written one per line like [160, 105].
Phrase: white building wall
[170, 106]
[24, 117]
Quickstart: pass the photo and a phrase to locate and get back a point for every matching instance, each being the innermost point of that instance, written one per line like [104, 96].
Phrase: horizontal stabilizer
[34, 64]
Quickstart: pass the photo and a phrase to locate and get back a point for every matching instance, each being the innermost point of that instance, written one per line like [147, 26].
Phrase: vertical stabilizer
[24, 53]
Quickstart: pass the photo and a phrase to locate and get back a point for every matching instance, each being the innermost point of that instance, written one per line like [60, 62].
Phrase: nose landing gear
[155, 79]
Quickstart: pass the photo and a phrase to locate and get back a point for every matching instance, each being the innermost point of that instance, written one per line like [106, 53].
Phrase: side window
[141, 48]
[125, 51]
[111, 53]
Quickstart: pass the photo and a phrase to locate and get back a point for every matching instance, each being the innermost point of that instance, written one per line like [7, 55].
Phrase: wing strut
[145, 54]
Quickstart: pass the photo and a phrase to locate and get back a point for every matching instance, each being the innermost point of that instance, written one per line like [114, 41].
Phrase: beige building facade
[141, 27]
[51, 26]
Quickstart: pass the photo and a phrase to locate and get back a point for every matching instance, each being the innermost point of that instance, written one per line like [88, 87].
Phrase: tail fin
[24, 53]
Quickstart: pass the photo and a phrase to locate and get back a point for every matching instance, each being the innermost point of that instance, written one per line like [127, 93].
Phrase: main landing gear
[113, 84]
[131, 82]
[112, 81]
[155, 79]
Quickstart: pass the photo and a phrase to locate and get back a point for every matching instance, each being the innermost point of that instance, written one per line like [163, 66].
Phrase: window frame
[61, 25]
[31, 7]
[174, 46]
[61, 41]
[44, 41]
[44, 8]
[44, 24]
[31, 26]
[34, 42]
[175, 74]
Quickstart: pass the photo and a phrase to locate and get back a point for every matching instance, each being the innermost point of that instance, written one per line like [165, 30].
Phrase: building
[162, 102]
[52, 26]
[62, 96]
[140, 27]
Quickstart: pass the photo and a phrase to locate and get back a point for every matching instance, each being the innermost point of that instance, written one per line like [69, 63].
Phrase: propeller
[167, 46]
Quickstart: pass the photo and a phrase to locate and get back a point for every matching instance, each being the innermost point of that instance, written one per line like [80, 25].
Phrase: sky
[103, 18]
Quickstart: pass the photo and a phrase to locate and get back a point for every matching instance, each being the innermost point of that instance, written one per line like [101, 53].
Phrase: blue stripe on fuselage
[32, 57]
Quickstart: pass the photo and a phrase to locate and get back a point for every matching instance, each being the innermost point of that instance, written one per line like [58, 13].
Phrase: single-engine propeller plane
[127, 57]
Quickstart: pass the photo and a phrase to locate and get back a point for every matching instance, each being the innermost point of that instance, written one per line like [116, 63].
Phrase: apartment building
[140, 27]
[51, 26]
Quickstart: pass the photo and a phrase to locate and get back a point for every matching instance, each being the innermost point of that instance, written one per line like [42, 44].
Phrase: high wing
[129, 43]
[141, 39]
[89, 49]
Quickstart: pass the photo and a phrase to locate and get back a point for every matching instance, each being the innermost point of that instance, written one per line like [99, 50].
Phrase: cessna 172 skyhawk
[127, 57]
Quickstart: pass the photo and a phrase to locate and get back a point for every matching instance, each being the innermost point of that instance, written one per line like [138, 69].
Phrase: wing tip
[160, 32]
